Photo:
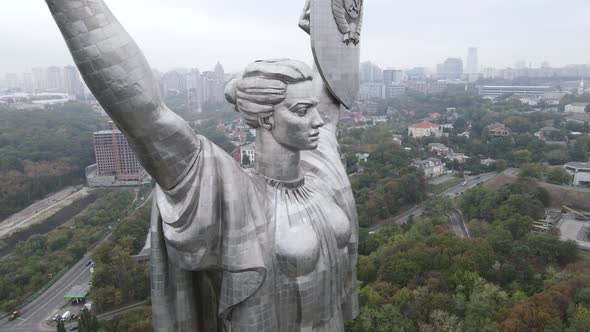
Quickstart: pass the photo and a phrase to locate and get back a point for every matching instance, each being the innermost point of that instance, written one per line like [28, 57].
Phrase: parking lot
[575, 230]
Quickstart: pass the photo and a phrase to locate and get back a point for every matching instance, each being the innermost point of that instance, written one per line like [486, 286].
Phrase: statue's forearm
[120, 78]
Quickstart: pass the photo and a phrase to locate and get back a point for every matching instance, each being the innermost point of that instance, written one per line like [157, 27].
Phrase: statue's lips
[315, 136]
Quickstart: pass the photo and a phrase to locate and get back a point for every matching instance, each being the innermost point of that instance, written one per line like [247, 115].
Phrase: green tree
[558, 175]
[531, 170]
[581, 319]
[521, 157]
[60, 326]
[501, 165]
[442, 321]
[87, 322]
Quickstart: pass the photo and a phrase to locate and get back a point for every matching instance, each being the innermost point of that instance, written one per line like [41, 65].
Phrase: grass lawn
[442, 187]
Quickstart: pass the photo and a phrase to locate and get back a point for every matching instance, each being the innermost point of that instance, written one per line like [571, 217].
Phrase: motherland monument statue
[268, 249]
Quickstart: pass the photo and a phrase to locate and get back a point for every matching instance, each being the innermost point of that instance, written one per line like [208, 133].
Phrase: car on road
[56, 318]
[464, 183]
[89, 263]
[74, 328]
[66, 316]
[87, 306]
[14, 315]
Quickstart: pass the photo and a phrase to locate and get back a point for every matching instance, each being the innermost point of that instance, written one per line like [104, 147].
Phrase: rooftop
[78, 291]
[424, 125]
[578, 164]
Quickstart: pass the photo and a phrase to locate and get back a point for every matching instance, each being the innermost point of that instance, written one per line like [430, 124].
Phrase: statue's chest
[310, 230]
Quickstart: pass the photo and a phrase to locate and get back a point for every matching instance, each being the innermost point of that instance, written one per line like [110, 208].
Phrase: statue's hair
[263, 85]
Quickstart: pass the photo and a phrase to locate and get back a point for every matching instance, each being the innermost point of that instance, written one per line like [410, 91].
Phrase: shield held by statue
[335, 28]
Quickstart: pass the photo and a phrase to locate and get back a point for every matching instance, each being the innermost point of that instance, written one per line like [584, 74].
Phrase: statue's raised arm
[120, 78]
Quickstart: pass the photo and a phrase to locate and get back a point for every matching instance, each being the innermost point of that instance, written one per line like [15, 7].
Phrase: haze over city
[399, 34]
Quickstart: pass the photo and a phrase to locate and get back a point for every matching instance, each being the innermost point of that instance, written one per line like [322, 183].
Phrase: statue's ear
[267, 122]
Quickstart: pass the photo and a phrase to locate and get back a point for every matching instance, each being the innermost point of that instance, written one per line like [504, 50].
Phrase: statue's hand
[304, 19]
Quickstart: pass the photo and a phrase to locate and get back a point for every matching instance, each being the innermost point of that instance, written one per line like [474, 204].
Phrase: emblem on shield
[335, 27]
[348, 16]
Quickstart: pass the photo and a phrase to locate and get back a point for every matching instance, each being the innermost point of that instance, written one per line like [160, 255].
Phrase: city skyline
[503, 31]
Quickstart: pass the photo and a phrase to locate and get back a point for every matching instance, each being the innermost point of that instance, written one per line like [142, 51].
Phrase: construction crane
[579, 215]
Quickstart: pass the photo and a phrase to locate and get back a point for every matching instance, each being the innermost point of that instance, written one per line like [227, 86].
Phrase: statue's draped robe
[215, 238]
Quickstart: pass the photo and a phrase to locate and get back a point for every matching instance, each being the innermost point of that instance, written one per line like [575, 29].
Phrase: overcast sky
[397, 34]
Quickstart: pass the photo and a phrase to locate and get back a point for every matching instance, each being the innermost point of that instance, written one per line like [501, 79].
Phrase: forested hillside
[42, 151]
[421, 277]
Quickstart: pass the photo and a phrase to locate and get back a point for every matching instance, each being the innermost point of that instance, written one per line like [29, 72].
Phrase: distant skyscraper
[173, 82]
[369, 72]
[452, 68]
[71, 80]
[39, 79]
[55, 80]
[490, 72]
[219, 72]
[416, 74]
[194, 84]
[392, 76]
[114, 156]
[28, 85]
[472, 66]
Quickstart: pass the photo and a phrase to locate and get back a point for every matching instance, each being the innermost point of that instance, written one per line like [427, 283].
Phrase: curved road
[456, 191]
[49, 303]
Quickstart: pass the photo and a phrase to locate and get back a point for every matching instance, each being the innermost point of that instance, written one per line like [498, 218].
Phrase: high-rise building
[392, 76]
[472, 66]
[114, 156]
[28, 83]
[194, 84]
[214, 84]
[173, 82]
[55, 80]
[416, 74]
[219, 72]
[72, 82]
[370, 72]
[39, 79]
[452, 68]
[490, 72]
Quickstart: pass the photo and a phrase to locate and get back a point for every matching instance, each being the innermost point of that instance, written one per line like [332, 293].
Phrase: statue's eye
[302, 111]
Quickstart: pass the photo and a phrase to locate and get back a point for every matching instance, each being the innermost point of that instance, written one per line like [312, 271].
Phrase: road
[49, 303]
[456, 191]
[41, 210]
[35, 314]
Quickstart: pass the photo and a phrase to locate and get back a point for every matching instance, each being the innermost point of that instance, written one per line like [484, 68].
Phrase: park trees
[558, 175]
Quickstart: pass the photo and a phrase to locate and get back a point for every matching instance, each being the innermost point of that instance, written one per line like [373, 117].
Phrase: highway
[36, 313]
[456, 191]
[39, 212]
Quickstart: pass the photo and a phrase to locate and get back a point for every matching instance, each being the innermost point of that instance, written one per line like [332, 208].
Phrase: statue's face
[296, 121]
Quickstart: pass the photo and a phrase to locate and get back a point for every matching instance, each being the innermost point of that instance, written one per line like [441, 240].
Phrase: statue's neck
[274, 160]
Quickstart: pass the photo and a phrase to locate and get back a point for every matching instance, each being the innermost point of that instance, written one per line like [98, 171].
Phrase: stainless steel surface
[270, 250]
[335, 27]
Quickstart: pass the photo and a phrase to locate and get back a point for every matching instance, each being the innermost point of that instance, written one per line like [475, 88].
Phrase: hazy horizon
[184, 34]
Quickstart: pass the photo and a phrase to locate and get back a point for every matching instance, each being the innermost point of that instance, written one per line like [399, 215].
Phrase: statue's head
[277, 95]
